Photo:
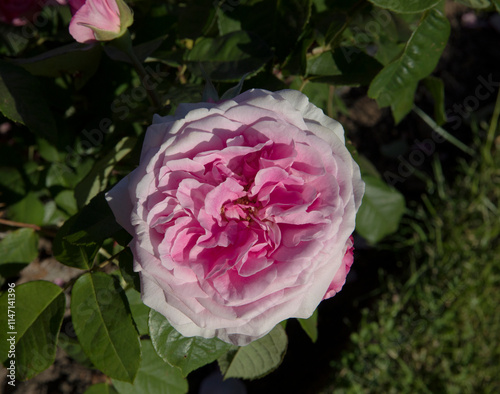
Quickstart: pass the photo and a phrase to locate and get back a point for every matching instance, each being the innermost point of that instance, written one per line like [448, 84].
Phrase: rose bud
[99, 20]
[241, 213]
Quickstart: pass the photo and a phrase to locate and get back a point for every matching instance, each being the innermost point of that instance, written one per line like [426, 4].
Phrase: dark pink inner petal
[236, 207]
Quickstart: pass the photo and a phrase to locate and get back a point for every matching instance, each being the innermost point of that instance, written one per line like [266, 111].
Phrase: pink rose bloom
[99, 20]
[241, 213]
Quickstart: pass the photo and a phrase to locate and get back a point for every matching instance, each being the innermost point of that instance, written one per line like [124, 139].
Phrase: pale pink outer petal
[120, 203]
[312, 114]
[340, 277]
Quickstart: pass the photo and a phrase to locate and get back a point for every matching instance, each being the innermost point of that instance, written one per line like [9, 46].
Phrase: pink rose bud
[241, 213]
[99, 20]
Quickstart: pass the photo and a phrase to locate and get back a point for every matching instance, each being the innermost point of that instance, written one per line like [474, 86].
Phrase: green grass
[436, 328]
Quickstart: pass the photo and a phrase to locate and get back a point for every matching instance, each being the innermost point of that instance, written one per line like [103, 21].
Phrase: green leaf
[77, 256]
[337, 25]
[140, 312]
[22, 100]
[477, 3]
[406, 6]
[94, 223]
[32, 172]
[141, 51]
[75, 59]
[101, 388]
[256, 359]
[320, 5]
[29, 210]
[395, 85]
[436, 88]
[11, 182]
[196, 19]
[47, 150]
[278, 23]
[496, 3]
[17, 250]
[381, 210]
[227, 22]
[67, 202]
[154, 376]
[61, 174]
[310, 326]
[52, 215]
[296, 62]
[104, 326]
[73, 349]
[97, 179]
[185, 353]
[38, 308]
[345, 66]
[388, 49]
[230, 57]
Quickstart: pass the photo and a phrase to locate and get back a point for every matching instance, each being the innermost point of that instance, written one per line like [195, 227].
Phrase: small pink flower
[99, 20]
[241, 213]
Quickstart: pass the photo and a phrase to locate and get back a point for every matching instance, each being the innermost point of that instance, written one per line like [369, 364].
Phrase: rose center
[242, 208]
